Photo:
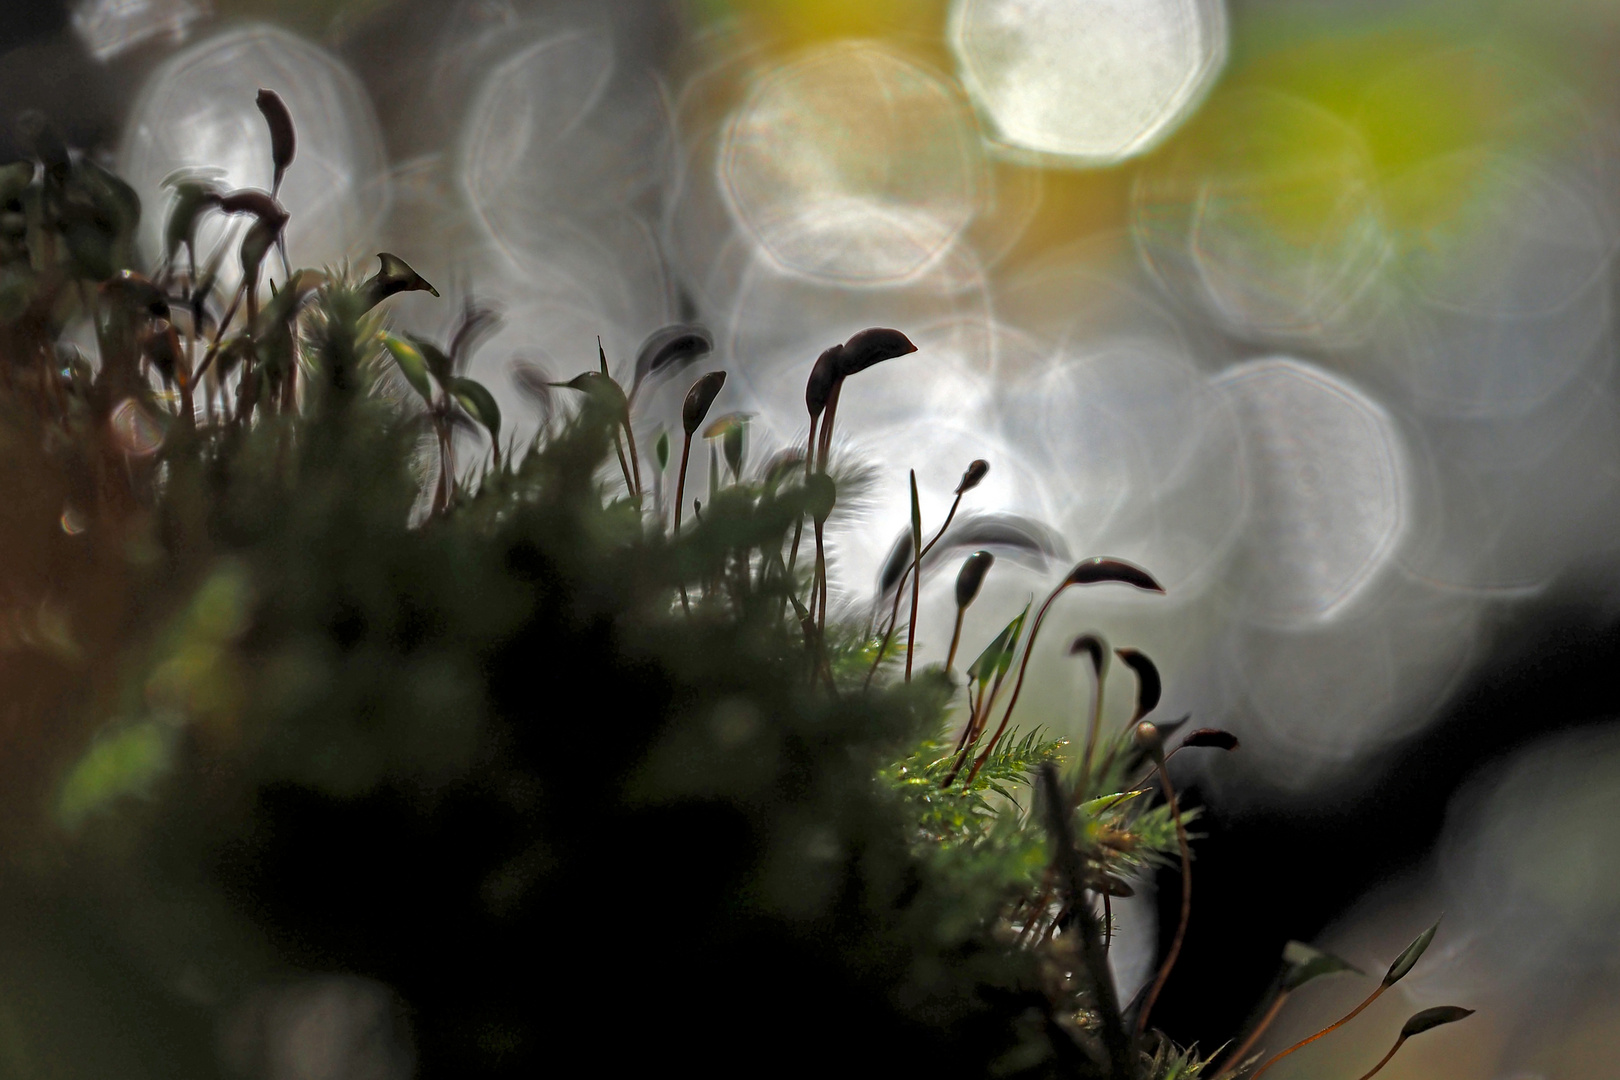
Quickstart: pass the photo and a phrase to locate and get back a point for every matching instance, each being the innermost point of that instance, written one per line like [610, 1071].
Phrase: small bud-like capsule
[973, 476]
[394, 276]
[283, 139]
[823, 377]
[1147, 738]
[971, 577]
[1097, 570]
[699, 398]
[260, 204]
[870, 347]
[1093, 646]
[1148, 685]
[1215, 737]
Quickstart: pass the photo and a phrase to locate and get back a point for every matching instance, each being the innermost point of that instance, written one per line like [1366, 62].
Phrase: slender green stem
[899, 591]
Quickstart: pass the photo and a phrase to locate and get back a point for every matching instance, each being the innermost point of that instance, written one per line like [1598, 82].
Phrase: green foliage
[566, 777]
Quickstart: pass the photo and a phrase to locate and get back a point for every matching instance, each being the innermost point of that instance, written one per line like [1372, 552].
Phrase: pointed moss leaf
[820, 494]
[1004, 662]
[970, 579]
[1433, 1018]
[661, 450]
[986, 663]
[1305, 964]
[916, 517]
[288, 300]
[823, 377]
[1213, 737]
[283, 138]
[1409, 957]
[1102, 569]
[784, 463]
[1149, 687]
[997, 656]
[1101, 805]
[438, 361]
[603, 391]
[721, 426]
[872, 346]
[479, 403]
[699, 398]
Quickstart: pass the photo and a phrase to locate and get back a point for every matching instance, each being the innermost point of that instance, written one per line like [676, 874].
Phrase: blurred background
[1305, 305]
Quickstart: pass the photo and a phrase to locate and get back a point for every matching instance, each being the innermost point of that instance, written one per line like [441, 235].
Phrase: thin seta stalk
[696, 407]
[969, 580]
[1148, 737]
[971, 478]
[916, 573]
[1088, 572]
[821, 392]
[1397, 971]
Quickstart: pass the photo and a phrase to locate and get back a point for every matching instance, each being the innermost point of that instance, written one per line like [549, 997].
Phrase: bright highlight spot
[109, 28]
[197, 112]
[853, 164]
[1093, 80]
[1328, 489]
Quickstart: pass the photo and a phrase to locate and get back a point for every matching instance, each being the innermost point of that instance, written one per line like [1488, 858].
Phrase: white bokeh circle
[854, 164]
[1093, 80]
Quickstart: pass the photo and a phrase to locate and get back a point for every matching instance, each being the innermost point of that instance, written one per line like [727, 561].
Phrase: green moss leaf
[411, 363]
[1410, 956]
[479, 403]
[1305, 964]
[124, 762]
